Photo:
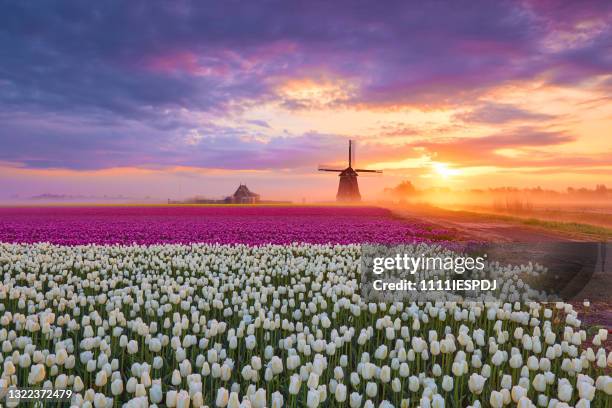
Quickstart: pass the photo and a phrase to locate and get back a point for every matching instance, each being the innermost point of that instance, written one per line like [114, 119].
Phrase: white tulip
[259, 400]
[131, 384]
[506, 382]
[132, 347]
[457, 369]
[37, 374]
[517, 393]
[437, 401]
[404, 370]
[476, 383]
[312, 398]
[295, 384]
[171, 398]
[250, 343]
[355, 400]
[182, 399]
[385, 374]
[277, 365]
[117, 387]
[413, 384]
[539, 382]
[496, 399]
[176, 378]
[447, 383]
[564, 392]
[155, 393]
[78, 385]
[9, 368]
[277, 400]
[340, 393]
[197, 399]
[222, 397]
[99, 400]
[586, 390]
[371, 389]
[396, 385]
[313, 381]
[101, 379]
[524, 402]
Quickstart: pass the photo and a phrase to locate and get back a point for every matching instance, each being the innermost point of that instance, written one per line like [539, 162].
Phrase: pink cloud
[188, 62]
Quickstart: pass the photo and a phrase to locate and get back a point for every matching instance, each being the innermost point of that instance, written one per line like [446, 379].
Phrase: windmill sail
[328, 168]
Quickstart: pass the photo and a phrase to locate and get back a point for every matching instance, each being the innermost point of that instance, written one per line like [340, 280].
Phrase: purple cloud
[51, 141]
[491, 112]
[109, 81]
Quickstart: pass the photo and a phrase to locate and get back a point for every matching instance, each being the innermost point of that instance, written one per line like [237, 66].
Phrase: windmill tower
[348, 188]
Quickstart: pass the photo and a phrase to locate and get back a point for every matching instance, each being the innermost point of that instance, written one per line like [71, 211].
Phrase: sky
[175, 99]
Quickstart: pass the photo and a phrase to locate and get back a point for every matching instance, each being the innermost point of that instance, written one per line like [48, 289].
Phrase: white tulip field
[274, 326]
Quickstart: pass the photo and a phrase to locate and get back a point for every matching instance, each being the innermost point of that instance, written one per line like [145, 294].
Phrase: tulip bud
[396, 385]
[222, 397]
[518, 392]
[371, 389]
[355, 400]
[564, 392]
[539, 382]
[117, 387]
[447, 383]
[155, 393]
[476, 383]
[312, 398]
[171, 397]
[233, 401]
[340, 393]
[496, 399]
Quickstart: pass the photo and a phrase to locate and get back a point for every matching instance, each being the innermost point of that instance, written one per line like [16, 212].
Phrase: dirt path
[483, 227]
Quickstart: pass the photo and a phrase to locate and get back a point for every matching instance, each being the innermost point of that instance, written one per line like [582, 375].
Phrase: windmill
[348, 188]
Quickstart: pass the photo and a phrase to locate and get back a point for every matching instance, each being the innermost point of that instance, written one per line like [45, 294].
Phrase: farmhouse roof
[243, 191]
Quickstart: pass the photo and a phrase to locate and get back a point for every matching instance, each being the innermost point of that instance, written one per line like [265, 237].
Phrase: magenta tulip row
[225, 225]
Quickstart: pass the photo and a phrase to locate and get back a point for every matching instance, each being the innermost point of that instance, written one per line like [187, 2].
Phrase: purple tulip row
[225, 225]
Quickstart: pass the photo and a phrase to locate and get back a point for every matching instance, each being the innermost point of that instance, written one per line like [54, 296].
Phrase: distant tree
[405, 188]
[402, 190]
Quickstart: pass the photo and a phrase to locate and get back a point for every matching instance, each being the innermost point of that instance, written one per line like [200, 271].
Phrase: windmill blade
[353, 155]
[329, 168]
[368, 171]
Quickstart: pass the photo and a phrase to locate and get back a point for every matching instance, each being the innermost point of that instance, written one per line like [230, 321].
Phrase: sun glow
[444, 170]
